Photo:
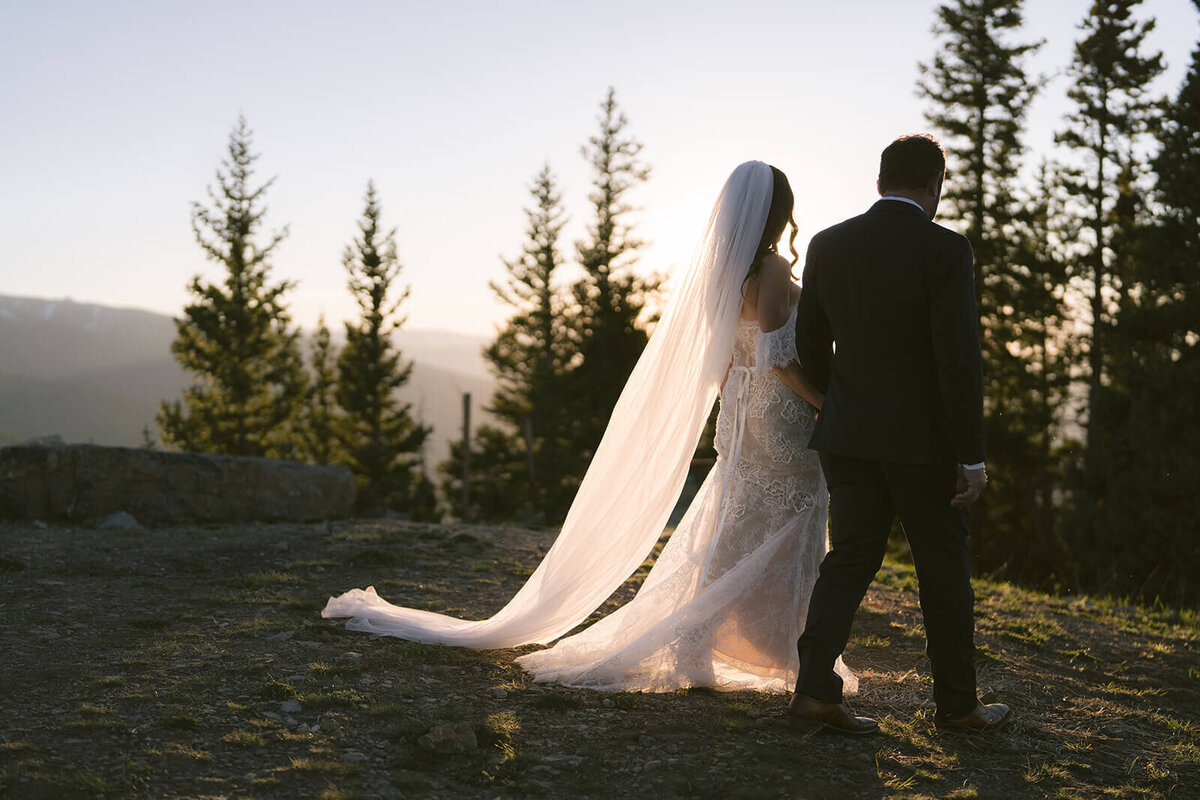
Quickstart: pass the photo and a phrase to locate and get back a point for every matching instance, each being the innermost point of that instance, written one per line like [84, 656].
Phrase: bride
[725, 602]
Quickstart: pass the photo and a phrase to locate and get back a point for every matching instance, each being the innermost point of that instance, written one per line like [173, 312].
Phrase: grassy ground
[157, 664]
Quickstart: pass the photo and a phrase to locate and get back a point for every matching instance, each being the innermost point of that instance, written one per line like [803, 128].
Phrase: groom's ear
[879, 187]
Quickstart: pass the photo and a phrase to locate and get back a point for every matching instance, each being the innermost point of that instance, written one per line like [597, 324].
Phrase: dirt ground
[191, 661]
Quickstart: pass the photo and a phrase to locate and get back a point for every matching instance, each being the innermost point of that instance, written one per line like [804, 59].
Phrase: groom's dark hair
[911, 162]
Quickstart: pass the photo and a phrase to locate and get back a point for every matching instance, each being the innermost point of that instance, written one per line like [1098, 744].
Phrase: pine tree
[322, 418]
[236, 336]
[609, 298]
[1114, 112]
[382, 441]
[1113, 115]
[1030, 402]
[1150, 467]
[979, 94]
[530, 356]
[498, 488]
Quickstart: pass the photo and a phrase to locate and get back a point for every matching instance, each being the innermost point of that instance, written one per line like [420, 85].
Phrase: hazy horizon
[118, 116]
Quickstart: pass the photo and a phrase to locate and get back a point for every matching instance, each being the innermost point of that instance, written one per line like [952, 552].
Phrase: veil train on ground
[638, 471]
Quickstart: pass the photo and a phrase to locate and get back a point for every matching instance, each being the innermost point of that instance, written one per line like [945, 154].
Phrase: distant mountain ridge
[96, 373]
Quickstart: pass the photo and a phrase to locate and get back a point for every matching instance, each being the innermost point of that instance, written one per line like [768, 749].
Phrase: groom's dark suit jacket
[887, 322]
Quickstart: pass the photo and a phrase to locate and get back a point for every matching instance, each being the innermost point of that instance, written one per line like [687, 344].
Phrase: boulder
[84, 482]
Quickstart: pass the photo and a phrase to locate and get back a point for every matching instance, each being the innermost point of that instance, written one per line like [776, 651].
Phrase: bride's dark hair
[778, 217]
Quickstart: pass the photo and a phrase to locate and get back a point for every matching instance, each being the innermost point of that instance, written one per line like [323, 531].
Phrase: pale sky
[114, 116]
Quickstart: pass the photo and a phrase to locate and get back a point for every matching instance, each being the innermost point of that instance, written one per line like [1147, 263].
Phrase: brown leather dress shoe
[810, 714]
[981, 718]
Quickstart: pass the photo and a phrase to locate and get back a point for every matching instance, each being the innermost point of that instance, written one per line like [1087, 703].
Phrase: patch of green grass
[324, 669]
[500, 731]
[1116, 689]
[324, 766]
[332, 792]
[1023, 633]
[1079, 654]
[277, 690]
[95, 724]
[871, 641]
[330, 698]
[245, 739]
[177, 748]
[734, 724]
[897, 576]
[1039, 771]
[984, 655]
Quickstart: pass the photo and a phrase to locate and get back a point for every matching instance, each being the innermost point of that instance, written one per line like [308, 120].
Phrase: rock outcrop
[85, 482]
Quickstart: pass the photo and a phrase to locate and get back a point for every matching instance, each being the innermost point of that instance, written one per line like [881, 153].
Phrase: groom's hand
[970, 486]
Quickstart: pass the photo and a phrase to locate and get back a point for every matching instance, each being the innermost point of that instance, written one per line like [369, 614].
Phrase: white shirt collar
[903, 200]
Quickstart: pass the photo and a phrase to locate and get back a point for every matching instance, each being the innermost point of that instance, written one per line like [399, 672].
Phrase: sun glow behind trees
[120, 110]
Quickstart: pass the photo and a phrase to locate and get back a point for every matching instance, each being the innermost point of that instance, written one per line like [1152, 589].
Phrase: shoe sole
[811, 726]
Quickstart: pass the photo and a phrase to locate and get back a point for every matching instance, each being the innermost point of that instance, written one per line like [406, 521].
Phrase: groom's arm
[814, 338]
[954, 324]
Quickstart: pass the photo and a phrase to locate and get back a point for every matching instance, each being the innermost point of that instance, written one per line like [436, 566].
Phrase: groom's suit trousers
[864, 498]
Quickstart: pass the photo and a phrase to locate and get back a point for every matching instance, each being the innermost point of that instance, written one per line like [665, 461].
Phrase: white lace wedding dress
[725, 601]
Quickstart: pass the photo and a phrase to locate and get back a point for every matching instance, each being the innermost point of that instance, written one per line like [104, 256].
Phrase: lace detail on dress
[726, 599]
[766, 396]
[776, 348]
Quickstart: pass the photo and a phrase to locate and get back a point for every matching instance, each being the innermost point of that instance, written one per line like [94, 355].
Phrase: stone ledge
[81, 482]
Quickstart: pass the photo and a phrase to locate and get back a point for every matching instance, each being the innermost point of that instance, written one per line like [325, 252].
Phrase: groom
[887, 321]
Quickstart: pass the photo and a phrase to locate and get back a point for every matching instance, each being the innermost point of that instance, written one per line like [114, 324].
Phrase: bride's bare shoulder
[776, 262]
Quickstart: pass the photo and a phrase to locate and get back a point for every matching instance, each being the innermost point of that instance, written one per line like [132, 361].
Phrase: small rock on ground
[121, 520]
[449, 739]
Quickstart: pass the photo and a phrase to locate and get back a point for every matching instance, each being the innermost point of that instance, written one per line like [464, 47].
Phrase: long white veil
[638, 471]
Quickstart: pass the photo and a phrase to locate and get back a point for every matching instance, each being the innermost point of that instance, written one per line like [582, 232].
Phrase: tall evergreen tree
[498, 488]
[1152, 460]
[531, 354]
[322, 429]
[382, 440]
[236, 336]
[979, 94]
[1030, 386]
[1108, 131]
[1113, 113]
[609, 298]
